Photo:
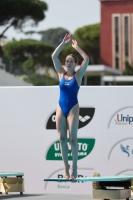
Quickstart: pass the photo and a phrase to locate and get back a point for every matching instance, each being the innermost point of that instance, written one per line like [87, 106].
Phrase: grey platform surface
[45, 197]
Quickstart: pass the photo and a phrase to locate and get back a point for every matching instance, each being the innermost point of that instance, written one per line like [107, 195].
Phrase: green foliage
[88, 38]
[24, 77]
[128, 69]
[19, 12]
[29, 64]
[29, 53]
[39, 80]
[53, 36]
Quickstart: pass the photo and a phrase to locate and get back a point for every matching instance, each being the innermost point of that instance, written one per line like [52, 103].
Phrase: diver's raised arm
[84, 64]
[56, 52]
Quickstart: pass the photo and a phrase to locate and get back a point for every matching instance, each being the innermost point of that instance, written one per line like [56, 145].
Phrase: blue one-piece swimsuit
[68, 94]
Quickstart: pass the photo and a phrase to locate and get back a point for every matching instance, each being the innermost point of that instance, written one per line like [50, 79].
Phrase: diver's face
[69, 62]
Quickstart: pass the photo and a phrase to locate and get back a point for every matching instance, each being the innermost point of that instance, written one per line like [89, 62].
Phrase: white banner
[29, 140]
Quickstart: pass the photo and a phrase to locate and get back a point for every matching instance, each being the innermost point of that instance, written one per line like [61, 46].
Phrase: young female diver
[67, 113]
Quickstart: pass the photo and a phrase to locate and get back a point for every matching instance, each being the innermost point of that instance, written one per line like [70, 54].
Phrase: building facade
[116, 33]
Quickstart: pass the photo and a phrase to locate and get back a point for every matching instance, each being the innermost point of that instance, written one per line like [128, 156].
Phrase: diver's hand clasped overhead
[67, 38]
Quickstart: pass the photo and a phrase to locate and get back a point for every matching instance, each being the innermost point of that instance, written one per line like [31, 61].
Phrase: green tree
[128, 69]
[88, 38]
[29, 54]
[40, 80]
[18, 13]
[53, 36]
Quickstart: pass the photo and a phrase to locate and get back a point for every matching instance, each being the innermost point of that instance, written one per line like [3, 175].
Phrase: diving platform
[105, 187]
[11, 182]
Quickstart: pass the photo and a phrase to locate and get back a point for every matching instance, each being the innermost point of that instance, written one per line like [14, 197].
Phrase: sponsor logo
[63, 186]
[123, 149]
[127, 150]
[59, 176]
[85, 146]
[83, 119]
[122, 117]
[126, 171]
[66, 83]
[85, 116]
[123, 120]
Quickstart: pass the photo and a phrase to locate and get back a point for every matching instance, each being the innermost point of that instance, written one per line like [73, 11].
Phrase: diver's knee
[73, 140]
[62, 139]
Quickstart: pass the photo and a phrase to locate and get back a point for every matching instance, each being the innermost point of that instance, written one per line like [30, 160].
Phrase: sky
[70, 14]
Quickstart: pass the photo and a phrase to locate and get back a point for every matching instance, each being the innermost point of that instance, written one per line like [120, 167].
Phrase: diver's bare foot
[66, 172]
[74, 173]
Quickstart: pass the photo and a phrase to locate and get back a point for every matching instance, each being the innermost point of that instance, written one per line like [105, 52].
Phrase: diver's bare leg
[61, 125]
[73, 121]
